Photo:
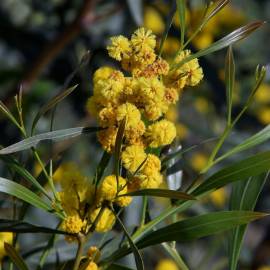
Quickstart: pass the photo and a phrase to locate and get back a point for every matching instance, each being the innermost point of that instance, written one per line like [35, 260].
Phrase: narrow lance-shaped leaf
[15, 257]
[167, 28]
[181, 10]
[101, 167]
[18, 226]
[199, 226]
[137, 255]
[229, 79]
[243, 197]
[243, 169]
[51, 104]
[226, 41]
[165, 193]
[57, 135]
[21, 192]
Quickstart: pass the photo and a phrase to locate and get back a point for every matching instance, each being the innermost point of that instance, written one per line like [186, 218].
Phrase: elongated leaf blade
[243, 197]
[18, 226]
[21, 192]
[14, 165]
[243, 169]
[229, 79]
[181, 10]
[252, 141]
[102, 167]
[218, 6]
[226, 41]
[58, 135]
[199, 226]
[15, 257]
[52, 103]
[137, 255]
[164, 193]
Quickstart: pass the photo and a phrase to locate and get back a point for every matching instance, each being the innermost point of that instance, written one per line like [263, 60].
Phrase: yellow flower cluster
[143, 97]
[82, 203]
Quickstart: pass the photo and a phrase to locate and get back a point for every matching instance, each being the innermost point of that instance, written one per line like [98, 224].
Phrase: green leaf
[118, 147]
[51, 104]
[101, 167]
[199, 226]
[252, 141]
[226, 41]
[14, 165]
[18, 226]
[58, 135]
[181, 9]
[230, 80]
[137, 255]
[243, 169]
[165, 193]
[167, 28]
[243, 197]
[21, 192]
[8, 114]
[15, 257]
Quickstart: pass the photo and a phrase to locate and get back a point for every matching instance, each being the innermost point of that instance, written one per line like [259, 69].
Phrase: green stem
[176, 256]
[81, 242]
[143, 212]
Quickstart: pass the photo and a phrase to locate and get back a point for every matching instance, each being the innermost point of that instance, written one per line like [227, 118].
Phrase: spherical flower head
[107, 116]
[143, 38]
[92, 106]
[166, 264]
[105, 221]
[60, 173]
[107, 138]
[171, 95]
[160, 133]
[92, 266]
[152, 164]
[130, 113]
[108, 189]
[153, 111]
[5, 237]
[132, 157]
[153, 180]
[102, 73]
[159, 67]
[153, 20]
[72, 224]
[134, 134]
[141, 59]
[119, 48]
[151, 90]
[94, 253]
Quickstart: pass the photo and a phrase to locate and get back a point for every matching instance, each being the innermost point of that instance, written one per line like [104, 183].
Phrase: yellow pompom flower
[119, 48]
[106, 219]
[160, 133]
[153, 20]
[219, 197]
[263, 94]
[133, 135]
[5, 237]
[150, 181]
[102, 73]
[92, 266]
[107, 138]
[108, 189]
[130, 113]
[94, 253]
[152, 164]
[143, 38]
[166, 264]
[132, 157]
[152, 111]
[72, 224]
[107, 116]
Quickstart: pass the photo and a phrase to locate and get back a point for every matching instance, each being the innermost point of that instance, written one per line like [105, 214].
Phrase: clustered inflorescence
[140, 99]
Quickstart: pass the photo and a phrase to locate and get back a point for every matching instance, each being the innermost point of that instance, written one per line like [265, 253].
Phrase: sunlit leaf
[165, 193]
[58, 135]
[181, 10]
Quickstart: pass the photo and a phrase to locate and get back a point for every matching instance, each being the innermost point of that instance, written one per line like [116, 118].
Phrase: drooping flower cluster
[141, 99]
